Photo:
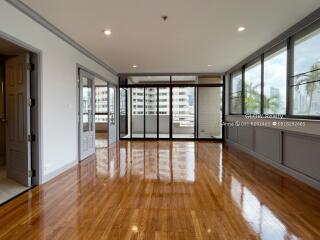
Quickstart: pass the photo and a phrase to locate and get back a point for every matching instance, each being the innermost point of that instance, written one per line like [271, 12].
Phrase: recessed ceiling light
[241, 29]
[134, 66]
[209, 65]
[107, 32]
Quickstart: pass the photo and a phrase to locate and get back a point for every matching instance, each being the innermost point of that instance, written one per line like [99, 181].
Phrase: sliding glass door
[164, 112]
[183, 112]
[171, 112]
[137, 113]
[125, 116]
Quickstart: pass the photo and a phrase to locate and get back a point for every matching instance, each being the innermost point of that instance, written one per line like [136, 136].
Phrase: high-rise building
[182, 107]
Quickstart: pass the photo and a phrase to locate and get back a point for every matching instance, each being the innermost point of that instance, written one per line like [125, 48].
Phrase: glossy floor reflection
[165, 190]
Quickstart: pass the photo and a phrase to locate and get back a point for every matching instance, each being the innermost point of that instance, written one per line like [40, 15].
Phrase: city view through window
[150, 116]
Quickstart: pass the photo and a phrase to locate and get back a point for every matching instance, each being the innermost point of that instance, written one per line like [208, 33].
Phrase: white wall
[58, 76]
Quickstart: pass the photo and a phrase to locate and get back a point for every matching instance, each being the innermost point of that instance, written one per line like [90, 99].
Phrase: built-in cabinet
[295, 153]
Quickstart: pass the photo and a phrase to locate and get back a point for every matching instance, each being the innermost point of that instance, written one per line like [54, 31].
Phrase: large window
[252, 88]
[275, 79]
[291, 79]
[304, 84]
[236, 93]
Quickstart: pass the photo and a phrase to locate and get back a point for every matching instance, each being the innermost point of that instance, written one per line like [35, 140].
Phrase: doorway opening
[101, 113]
[18, 120]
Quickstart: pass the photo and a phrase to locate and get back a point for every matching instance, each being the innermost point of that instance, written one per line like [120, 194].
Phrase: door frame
[96, 75]
[90, 134]
[116, 114]
[171, 86]
[36, 121]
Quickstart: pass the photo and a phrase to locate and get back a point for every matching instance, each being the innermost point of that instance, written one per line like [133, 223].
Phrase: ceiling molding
[304, 23]
[43, 22]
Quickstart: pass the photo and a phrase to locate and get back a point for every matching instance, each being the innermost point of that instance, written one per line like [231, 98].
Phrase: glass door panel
[87, 121]
[164, 112]
[124, 121]
[137, 113]
[210, 112]
[112, 114]
[87, 85]
[151, 108]
[183, 112]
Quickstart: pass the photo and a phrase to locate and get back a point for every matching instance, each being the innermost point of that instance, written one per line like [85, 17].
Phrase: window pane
[307, 53]
[101, 100]
[164, 112]
[138, 112]
[183, 103]
[235, 93]
[151, 109]
[306, 98]
[87, 85]
[236, 105]
[112, 105]
[236, 84]
[124, 121]
[305, 85]
[253, 88]
[275, 77]
[103, 118]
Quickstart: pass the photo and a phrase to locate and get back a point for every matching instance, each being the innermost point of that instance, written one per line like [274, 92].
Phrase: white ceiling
[197, 32]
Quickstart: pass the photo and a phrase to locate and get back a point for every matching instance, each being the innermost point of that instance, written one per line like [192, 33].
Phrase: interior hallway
[165, 190]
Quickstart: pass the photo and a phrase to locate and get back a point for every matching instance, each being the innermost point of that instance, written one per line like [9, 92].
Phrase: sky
[307, 52]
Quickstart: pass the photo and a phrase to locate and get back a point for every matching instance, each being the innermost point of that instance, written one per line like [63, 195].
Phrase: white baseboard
[57, 172]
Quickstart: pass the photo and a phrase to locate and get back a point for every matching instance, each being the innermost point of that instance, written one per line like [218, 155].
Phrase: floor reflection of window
[137, 167]
[183, 162]
[151, 168]
[257, 215]
[123, 161]
[272, 227]
[236, 191]
[251, 210]
[164, 163]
